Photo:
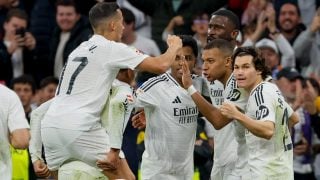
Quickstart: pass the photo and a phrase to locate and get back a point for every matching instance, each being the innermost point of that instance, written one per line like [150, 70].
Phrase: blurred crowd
[38, 35]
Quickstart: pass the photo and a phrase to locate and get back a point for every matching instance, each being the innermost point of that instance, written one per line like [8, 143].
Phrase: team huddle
[85, 121]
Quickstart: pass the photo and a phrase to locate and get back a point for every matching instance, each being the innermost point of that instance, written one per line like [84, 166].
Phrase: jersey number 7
[84, 62]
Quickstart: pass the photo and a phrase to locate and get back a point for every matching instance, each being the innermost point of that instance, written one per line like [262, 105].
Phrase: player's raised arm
[212, 113]
[162, 63]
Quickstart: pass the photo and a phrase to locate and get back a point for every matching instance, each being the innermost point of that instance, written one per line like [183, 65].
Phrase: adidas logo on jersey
[176, 100]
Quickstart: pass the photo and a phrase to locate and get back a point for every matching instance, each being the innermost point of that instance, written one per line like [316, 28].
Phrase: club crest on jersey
[262, 112]
[234, 95]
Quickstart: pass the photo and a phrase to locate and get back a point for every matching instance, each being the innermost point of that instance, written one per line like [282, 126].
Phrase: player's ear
[234, 34]
[228, 61]
[112, 25]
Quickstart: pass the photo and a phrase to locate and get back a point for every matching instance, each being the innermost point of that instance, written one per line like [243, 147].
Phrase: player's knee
[77, 170]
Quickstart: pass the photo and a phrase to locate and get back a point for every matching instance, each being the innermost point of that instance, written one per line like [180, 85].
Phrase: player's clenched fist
[174, 41]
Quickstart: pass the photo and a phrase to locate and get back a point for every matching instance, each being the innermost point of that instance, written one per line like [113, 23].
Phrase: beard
[289, 30]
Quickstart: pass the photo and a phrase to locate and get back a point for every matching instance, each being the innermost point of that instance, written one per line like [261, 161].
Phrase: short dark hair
[233, 18]
[189, 41]
[293, 4]
[102, 11]
[69, 3]
[225, 46]
[128, 16]
[48, 80]
[24, 79]
[257, 59]
[18, 13]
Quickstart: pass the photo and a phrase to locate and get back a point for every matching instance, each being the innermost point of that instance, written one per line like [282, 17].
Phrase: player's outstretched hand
[174, 42]
[41, 169]
[139, 120]
[186, 76]
[111, 162]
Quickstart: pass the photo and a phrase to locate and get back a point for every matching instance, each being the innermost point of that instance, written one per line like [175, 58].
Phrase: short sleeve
[16, 115]
[124, 56]
[266, 109]
[146, 98]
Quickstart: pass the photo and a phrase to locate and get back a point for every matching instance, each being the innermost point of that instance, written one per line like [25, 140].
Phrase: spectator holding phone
[16, 48]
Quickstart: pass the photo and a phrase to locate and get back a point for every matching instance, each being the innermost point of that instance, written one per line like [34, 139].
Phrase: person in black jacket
[42, 24]
[72, 29]
[16, 48]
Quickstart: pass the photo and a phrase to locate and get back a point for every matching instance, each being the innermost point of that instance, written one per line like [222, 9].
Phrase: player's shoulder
[120, 84]
[198, 78]
[6, 93]
[5, 89]
[265, 88]
[120, 88]
[265, 91]
[154, 82]
[101, 42]
[231, 82]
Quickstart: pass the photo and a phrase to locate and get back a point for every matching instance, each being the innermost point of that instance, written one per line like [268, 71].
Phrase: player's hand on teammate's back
[186, 77]
[174, 41]
[139, 120]
[111, 162]
[41, 169]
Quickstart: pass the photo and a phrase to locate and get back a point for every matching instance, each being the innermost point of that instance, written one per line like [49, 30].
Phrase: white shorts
[229, 172]
[76, 170]
[152, 169]
[63, 145]
[222, 172]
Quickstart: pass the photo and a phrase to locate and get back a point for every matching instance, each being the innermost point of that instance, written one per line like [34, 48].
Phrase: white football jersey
[12, 117]
[171, 127]
[239, 97]
[117, 111]
[85, 83]
[226, 147]
[270, 159]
